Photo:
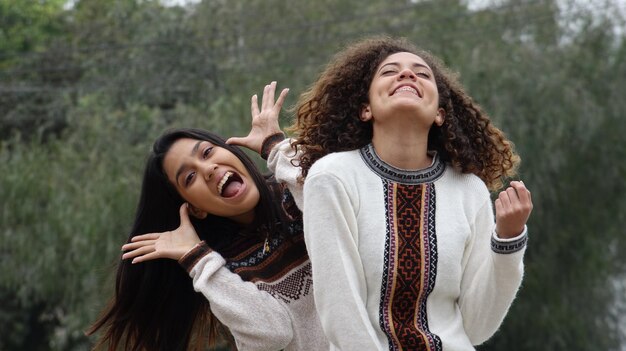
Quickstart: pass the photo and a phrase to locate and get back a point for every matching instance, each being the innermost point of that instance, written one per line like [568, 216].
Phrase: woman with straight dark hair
[243, 247]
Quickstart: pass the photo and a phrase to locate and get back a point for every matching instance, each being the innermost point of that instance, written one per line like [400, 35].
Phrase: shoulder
[336, 163]
[463, 184]
[339, 172]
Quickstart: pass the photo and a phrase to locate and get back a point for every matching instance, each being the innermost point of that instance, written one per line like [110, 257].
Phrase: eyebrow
[415, 64]
[182, 167]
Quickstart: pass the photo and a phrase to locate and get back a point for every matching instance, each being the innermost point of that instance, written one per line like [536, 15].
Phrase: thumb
[184, 214]
[236, 141]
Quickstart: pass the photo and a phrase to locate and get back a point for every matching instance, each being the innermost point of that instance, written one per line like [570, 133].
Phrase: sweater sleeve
[491, 278]
[330, 228]
[256, 320]
[279, 163]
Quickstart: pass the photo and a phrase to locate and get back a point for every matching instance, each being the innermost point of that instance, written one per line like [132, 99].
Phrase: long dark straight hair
[154, 307]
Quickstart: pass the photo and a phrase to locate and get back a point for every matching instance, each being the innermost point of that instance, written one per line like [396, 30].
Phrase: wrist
[509, 233]
[269, 143]
[509, 245]
[189, 259]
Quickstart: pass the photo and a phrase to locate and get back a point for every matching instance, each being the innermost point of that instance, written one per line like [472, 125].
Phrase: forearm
[491, 280]
[256, 320]
[279, 162]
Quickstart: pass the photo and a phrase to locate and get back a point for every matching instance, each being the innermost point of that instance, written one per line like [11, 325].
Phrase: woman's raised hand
[264, 121]
[173, 244]
[513, 207]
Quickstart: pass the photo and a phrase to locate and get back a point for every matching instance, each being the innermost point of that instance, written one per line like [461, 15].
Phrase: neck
[405, 148]
[244, 219]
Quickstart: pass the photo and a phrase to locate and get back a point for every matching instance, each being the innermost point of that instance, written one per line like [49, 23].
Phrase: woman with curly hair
[398, 163]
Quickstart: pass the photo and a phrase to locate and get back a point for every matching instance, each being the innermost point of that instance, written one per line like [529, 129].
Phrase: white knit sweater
[264, 298]
[403, 260]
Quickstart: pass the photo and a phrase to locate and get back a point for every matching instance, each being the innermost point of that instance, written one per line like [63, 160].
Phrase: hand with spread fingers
[264, 121]
[172, 244]
[513, 207]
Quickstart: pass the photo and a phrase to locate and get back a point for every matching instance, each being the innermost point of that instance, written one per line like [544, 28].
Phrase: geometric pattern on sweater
[403, 176]
[508, 247]
[257, 265]
[285, 269]
[410, 266]
[292, 287]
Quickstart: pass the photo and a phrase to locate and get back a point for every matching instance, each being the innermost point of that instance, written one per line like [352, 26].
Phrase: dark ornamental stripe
[403, 176]
[388, 268]
[268, 144]
[508, 247]
[273, 266]
[189, 260]
[410, 265]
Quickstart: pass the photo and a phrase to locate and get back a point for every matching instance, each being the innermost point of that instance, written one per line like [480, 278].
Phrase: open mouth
[408, 89]
[230, 184]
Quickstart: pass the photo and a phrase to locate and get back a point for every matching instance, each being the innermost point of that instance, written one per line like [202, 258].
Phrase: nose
[209, 171]
[407, 73]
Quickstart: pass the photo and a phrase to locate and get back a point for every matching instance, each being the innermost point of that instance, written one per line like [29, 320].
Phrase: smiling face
[403, 84]
[212, 179]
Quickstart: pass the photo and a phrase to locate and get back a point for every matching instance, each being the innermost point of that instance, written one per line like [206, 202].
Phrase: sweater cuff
[189, 260]
[269, 143]
[511, 245]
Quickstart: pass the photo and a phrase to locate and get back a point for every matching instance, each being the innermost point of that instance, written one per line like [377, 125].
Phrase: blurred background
[87, 85]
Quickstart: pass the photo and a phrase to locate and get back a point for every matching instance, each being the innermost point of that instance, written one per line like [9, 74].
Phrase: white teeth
[223, 181]
[407, 88]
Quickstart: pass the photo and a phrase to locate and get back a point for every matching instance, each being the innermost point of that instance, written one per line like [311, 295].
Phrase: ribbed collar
[398, 175]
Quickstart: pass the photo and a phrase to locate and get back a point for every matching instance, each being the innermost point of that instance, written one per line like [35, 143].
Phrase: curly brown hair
[327, 114]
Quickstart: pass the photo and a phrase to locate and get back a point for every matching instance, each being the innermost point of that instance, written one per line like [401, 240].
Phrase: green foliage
[66, 205]
[86, 90]
[29, 68]
[26, 26]
[141, 52]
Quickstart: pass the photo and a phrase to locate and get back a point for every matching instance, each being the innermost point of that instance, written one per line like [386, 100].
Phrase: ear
[440, 117]
[196, 212]
[366, 113]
